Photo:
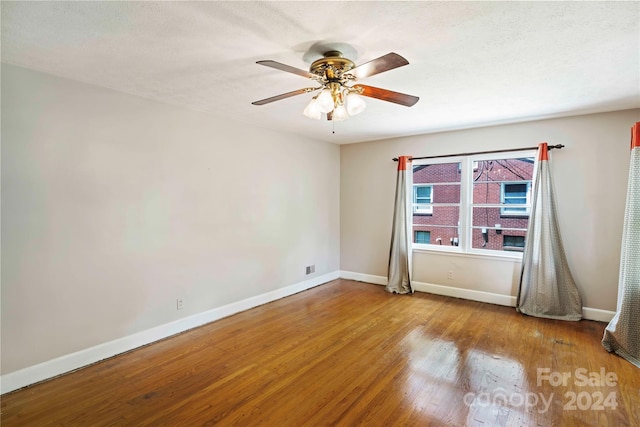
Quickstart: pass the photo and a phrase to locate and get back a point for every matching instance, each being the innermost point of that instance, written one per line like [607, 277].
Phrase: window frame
[466, 205]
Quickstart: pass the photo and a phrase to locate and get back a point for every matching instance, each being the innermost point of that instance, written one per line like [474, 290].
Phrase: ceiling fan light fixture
[311, 110]
[339, 113]
[335, 75]
[325, 101]
[355, 104]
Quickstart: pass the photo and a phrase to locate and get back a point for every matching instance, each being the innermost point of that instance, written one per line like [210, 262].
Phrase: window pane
[504, 170]
[434, 184]
[496, 181]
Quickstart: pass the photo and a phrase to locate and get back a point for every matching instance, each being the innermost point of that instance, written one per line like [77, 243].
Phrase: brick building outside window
[473, 204]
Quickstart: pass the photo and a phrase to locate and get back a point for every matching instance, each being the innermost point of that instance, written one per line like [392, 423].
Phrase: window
[422, 199]
[422, 236]
[476, 204]
[515, 194]
[513, 243]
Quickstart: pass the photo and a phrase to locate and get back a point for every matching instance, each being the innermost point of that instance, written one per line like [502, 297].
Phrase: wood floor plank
[348, 353]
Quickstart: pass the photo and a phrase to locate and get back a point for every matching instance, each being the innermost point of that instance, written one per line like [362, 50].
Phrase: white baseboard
[70, 362]
[597, 314]
[481, 296]
[360, 277]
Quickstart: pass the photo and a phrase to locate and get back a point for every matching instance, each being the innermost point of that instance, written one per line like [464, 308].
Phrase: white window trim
[466, 205]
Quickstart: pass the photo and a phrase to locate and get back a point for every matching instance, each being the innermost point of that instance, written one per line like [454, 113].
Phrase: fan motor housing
[332, 61]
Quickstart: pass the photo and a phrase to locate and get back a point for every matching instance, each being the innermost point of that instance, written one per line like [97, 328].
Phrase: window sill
[510, 257]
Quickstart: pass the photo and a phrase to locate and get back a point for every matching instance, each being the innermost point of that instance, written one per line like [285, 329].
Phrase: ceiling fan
[340, 94]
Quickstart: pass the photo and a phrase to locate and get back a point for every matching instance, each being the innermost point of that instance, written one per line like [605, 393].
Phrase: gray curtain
[622, 335]
[547, 288]
[399, 280]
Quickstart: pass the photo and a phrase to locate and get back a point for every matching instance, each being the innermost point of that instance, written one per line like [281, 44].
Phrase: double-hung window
[422, 199]
[515, 196]
[473, 204]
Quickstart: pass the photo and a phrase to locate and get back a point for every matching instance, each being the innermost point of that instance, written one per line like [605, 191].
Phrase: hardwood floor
[348, 353]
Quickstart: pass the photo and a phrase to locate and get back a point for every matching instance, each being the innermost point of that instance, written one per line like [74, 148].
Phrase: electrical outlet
[310, 269]
[450, 275]
[179, 304]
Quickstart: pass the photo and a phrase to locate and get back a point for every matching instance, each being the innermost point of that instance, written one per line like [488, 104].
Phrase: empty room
[315, 213]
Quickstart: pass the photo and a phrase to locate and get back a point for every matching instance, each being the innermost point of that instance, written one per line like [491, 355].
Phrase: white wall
[114, 206]
[590, 180]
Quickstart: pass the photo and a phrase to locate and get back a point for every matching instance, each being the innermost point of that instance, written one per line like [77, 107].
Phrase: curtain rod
[550, 147]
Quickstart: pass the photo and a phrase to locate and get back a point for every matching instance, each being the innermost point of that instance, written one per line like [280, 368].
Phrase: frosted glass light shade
[312, 111]
[325, 101]
[355, 104]
[339, 113]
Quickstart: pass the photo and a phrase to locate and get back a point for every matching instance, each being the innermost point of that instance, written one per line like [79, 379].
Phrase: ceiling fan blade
[287, 68]
[379, 65]
[286, 95]
[387, 95]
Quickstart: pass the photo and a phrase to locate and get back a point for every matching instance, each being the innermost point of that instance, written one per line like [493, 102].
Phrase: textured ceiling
[471, 63]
